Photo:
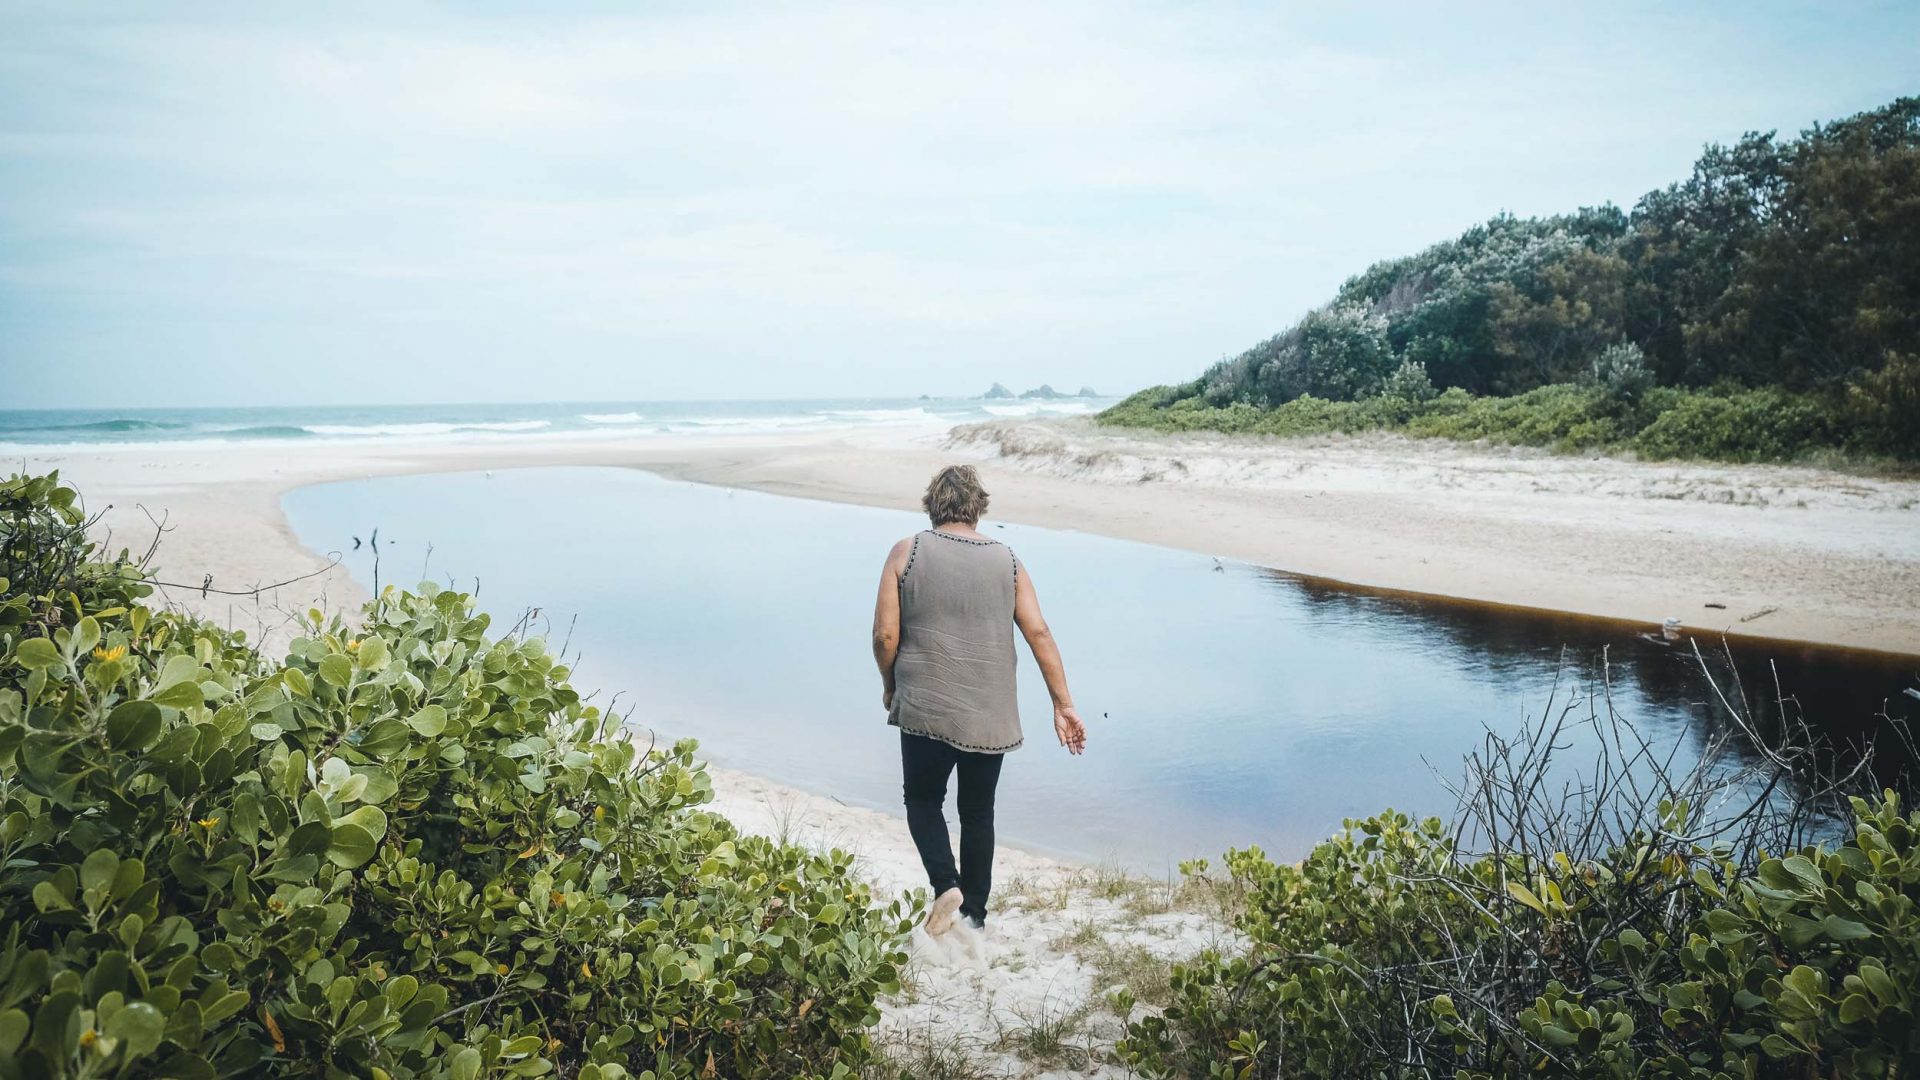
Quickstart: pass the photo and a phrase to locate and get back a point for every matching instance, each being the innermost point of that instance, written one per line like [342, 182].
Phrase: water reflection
[1846, 695]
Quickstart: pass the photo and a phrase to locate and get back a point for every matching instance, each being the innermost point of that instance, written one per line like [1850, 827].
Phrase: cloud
[908, 197]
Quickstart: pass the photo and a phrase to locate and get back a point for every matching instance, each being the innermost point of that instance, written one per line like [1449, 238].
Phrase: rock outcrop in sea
[1043, 392]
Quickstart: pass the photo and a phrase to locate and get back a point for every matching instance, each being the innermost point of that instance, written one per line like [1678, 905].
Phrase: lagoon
[1227, 704]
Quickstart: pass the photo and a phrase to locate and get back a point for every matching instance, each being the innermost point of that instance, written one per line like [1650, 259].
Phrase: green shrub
[45, 557]
[1883, 408]
[1409, 383]
[1615, 411]
[1627, 918]
[1744, 425]
[1620, 370]
[407, 851]
[1383, 953]
[1548, 416]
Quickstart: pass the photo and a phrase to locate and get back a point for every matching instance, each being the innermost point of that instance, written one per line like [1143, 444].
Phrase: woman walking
[943, 626]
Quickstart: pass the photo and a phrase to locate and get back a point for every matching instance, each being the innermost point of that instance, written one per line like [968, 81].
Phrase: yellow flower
[207, 822]
[599, 813]
[114, 653]
[353, 646]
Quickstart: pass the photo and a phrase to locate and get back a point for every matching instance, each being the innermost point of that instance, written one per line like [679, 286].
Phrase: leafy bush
[407, 851]
[1409, 383]
[1747, 425]
[1883, 408]
[1621, 371]
[1717, 424]
[1627, 921]
[1565, 415]
[1375, 958]
[1339, 351]
[45, 557]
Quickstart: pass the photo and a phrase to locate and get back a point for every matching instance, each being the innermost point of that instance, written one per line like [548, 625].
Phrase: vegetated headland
[1764, 309]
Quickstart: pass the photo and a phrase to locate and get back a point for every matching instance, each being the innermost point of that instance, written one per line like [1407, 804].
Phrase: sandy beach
[1770, 551]
[1789, 552]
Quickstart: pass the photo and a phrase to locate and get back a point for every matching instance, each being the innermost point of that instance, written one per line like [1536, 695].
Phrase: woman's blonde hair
[955, 494]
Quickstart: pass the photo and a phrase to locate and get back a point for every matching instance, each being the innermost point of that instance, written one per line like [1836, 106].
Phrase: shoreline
[1249, 500]
[1734, 638]
[1790, 554]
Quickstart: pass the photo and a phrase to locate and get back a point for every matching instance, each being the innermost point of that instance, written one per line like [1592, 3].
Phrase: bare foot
[940, 919]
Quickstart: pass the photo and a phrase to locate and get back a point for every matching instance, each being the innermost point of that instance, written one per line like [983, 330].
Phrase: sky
[279, 203]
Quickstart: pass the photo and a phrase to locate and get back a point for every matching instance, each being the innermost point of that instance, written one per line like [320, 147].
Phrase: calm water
[1227, 704]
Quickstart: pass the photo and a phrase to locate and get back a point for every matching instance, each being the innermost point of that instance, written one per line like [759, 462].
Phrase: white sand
[1037, 964]
[1791, 552]
[1794, 553]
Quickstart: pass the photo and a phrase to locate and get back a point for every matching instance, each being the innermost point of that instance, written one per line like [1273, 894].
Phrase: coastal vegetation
[1767, 308]
[407, 849]
[1623, 921]
[410, 849]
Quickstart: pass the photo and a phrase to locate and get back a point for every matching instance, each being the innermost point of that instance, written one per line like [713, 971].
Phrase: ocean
[45, 428]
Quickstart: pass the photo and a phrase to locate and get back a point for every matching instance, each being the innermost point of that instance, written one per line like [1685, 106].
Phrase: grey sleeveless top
[953, 677]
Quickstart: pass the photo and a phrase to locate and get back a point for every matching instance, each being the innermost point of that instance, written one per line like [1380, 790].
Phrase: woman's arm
[886, 620]
[1026, 615]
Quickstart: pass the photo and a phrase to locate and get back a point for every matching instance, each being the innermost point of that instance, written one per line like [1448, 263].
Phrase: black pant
[925, 764]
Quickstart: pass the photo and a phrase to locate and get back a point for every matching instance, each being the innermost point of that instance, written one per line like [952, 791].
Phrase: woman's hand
[886, 698]
[1068, 729]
